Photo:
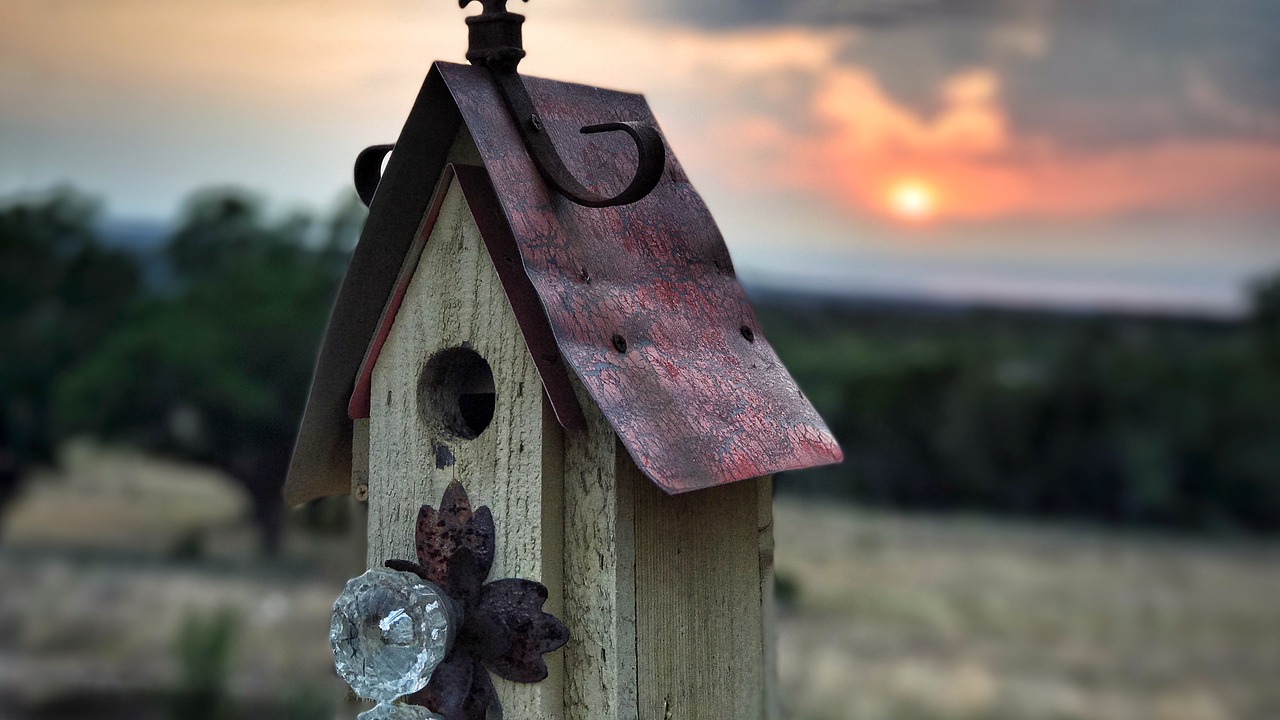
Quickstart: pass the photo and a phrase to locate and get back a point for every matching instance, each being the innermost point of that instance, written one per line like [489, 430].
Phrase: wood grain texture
[599, 566]
[456, 299]
[699, 608]
[359, 457]
[769, 608]
[553, 454]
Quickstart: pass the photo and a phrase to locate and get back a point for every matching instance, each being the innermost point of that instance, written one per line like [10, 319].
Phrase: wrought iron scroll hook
[496, 44]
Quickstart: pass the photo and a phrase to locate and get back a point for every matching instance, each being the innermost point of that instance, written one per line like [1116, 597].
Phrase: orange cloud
[976, 165]
[869, 142]
[862, 120]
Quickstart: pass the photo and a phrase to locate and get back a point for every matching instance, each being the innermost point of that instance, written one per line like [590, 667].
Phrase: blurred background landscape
[1024, 257]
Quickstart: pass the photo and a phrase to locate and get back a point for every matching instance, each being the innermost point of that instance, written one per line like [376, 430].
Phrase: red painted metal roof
[641, 300]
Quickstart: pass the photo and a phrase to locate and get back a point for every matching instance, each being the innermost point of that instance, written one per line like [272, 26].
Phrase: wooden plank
[769, 619]
[698, 603]
[599, 567]
[360, 459]
[454, 300]
[553, 550]
[351, 704]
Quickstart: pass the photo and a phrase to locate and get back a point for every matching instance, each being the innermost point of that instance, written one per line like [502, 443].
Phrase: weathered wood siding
[455, 299]
[666, 598]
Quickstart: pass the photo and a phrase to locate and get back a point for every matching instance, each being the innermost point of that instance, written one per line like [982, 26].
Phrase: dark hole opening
[477, 409]
[456, 393]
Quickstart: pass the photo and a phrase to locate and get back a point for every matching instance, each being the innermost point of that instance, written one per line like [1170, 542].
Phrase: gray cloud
[1090, 73]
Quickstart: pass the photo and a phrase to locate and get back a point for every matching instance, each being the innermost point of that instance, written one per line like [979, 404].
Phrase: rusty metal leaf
[441, 536]
[460, 689]
[509, 631]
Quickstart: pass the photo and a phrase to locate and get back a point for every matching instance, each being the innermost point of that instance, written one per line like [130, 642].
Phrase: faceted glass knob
[390, 630]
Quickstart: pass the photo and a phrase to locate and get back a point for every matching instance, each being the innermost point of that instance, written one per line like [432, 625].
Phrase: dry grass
[918, 619]
[895, 618]
[109, 500]
[100, 567]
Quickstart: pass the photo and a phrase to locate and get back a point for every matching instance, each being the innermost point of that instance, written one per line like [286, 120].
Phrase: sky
[1077, 153]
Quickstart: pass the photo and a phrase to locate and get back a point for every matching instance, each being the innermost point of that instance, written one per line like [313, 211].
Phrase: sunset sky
[1116, 153]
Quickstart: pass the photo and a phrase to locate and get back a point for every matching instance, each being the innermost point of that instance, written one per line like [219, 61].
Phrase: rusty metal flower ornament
[503, 628]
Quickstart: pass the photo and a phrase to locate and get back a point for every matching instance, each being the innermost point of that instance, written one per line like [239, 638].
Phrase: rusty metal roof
[641, 300]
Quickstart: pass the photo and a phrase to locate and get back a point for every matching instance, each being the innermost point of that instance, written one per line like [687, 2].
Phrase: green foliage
[204, 650]
[786, 589]
[214, 365]
[217, 367]
[61, 294]
[235, 341]
[1173, 423]
[1266, 317]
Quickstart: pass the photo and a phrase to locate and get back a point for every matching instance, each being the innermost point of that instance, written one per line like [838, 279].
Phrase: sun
[913, 200]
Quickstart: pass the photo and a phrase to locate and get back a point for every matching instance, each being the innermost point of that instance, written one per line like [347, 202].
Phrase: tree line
[1123, 419]
[204, 347]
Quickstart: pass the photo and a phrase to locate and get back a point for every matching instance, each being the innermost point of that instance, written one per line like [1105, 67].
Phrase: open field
[916, 619]
[888, 617]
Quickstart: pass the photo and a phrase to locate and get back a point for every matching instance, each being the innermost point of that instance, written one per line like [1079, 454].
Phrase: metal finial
[494, 36]
[491, 7]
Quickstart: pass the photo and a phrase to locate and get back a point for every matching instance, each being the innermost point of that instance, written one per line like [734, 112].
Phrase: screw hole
[619, 343]
[456, 393]
[747, 333]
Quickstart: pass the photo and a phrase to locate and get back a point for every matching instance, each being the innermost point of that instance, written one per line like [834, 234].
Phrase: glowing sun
[913, 200]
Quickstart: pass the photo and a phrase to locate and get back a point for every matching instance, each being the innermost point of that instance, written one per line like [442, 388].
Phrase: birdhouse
[542, 310]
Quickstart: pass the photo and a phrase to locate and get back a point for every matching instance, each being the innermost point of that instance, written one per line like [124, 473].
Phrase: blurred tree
[217, 368]
[61, 294]
[1266, 317]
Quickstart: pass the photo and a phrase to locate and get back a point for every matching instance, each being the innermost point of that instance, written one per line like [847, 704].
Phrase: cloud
[1034, 108]
[865, 121]
[1092, 73]
[863, 142]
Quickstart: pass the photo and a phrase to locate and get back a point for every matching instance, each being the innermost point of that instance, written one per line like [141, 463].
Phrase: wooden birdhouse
[586, 366]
